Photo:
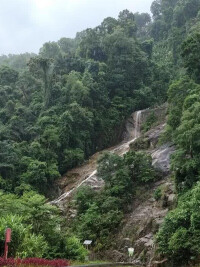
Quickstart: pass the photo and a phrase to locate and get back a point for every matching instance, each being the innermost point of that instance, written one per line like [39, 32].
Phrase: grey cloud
[26, 24]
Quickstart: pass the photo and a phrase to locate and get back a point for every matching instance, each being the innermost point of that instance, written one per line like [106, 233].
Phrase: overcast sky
[26, 24]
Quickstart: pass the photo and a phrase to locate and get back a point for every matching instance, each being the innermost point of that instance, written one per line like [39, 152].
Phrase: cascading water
[120, 150]
[138, 123]
[124, 147]
[65, 195]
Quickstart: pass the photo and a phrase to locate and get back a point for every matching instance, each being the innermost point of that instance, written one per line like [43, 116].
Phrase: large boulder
[161, 158]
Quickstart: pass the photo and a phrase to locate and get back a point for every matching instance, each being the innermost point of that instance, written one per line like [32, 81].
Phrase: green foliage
[38, 230]
[184, 122]
[150, 121]
[50, 50]
[84, 198]
[173, 21]
[24, 244]
[71, 100]
[178, 237]
[157, 194]
[190, 54]
[177, 93]
[186, 160]
[142, 21]
[33, 245]
[140, 167]
[17, 62]
[72, 158]
[7, 75]
[74, 249]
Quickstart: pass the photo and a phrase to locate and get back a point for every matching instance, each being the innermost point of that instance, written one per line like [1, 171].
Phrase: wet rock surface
[154, 134]
[95, 183]
[161, 158]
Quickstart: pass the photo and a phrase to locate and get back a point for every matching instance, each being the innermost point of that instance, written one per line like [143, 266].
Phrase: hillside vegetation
[176, 28]
[71, 100]
[65, 104]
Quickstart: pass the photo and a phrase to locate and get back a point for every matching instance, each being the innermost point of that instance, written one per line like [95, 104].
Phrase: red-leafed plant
[33, 262]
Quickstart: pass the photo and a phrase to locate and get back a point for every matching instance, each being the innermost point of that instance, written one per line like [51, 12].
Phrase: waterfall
[120, 150]
[65, 195]
[137, 123]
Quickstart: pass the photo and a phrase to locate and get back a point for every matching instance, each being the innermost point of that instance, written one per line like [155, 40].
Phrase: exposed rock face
[159, 112]
[147, 214]
[161, 158]
[143, 222]
[160, 154]
[132, 126]
[95, 183]
[131, 123]
[154, 134]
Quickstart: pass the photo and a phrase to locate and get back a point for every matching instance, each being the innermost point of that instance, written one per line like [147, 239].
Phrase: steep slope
[142, 223]
[146, 214]
[86, 174]
[147, 211]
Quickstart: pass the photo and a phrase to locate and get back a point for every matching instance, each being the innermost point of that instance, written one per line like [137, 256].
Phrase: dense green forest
[71, 100]
[176, 29]
[57, 109]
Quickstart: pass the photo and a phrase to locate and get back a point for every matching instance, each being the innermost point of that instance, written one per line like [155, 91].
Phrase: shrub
[150, 121]
[179, 236]
[157, 194]
[74, 249]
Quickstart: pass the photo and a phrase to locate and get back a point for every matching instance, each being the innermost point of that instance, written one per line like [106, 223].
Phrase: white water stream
[121, 149]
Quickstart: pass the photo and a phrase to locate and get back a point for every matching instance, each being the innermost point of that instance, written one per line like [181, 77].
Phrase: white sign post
[131, 252]
[87, 243]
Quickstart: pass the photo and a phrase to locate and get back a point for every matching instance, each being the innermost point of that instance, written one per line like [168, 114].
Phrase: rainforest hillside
[71, 100]
[175, 30]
